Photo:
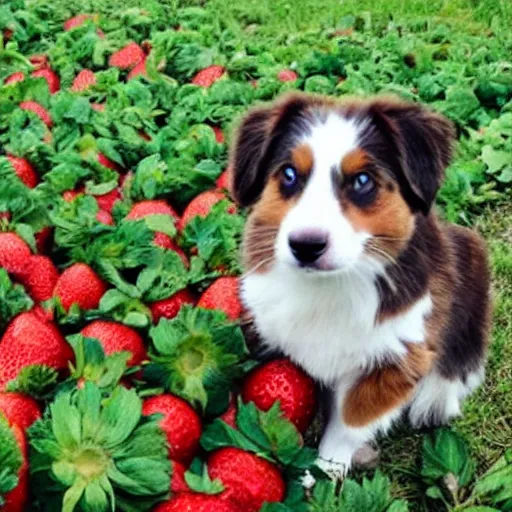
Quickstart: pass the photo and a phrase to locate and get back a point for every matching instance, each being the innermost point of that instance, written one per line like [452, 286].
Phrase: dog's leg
[367, 404]
[341, 443]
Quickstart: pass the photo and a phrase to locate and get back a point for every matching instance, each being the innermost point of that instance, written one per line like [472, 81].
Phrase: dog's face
[336, 186]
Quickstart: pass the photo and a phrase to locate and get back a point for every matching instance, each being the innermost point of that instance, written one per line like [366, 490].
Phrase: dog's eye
[289, 178]
[362, 188]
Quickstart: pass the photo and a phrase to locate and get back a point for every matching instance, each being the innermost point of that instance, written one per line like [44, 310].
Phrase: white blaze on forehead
[318, 207]
[330, 140]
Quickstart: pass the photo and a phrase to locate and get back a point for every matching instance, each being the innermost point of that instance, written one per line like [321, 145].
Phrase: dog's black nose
[307, 247]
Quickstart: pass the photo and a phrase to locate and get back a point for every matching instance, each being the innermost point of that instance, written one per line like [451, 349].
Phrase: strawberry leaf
[203, 483]
[37, 381]
[99, 450]
[10, 459]
[496, 483]
[446, 453]
[216, 237]
[92, 365]
[268, 434]
[372, 495]
[197, 355]
[13, 299]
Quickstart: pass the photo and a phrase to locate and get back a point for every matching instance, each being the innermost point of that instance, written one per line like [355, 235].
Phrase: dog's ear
[254, 141]
[423, 142]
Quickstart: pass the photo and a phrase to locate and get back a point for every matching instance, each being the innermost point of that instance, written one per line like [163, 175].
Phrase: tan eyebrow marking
[302, 158]
[354, 161]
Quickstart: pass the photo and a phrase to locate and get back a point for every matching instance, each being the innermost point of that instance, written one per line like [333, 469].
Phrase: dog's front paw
[334, 470]
[366, 457]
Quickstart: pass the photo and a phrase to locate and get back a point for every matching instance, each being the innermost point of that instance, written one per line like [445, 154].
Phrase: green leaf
[72, 496]
[496, 483]
[444, 453]
[505, 175]
[13, 299]
[495, 159]
[268, 434]
[203, 483]
[481, 509]
[10, 458]
[435, 493]
[136, 319]
[161, 224]
[197, 355]
[37, 381]
[119, 460]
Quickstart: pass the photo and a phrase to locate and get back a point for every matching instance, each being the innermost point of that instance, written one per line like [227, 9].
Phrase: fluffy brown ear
[255, 139]
[423, 142]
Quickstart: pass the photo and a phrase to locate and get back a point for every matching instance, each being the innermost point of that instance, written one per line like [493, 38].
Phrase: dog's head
[333, 184]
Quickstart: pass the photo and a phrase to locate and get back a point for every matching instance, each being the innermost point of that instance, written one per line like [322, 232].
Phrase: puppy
[348, 270]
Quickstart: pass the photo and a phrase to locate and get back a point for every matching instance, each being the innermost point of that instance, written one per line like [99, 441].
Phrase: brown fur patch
[354, 162]
[386, 388]
[388, 219]
[262, 226]
[302, 159]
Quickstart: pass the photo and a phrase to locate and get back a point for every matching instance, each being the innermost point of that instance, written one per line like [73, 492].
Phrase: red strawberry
[15, 77]
[144, 136]
[219, 134]
[128, 57]
[83, 80]
[7, 33]
[16, 500]
[19, 409]
[107, 201]
[200, 205]
[249, 481]
[99, 107]
[24, 170]
[14, 253]
[195, 502]
[115, 337]
[229, 417]
[103, 160]
[287, 75]
[223, 294]
[105, 218]
[51, 78]
[139, 69]
[180, 423]
[166, 242]
[38, 110]
[71, 195]
[282, 380]
[178, 483]
[170, 307]
[79, 284]
[44, 239]
[152, 207]
[31, 340]
[222, 182]
[45, 315]
[40, 278]
[77, 21]
[208, 76]
[39, 61]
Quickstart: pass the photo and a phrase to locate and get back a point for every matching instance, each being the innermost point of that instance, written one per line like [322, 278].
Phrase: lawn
[103, 184]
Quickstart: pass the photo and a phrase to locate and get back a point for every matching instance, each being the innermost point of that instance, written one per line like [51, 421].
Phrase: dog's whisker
[256, 267]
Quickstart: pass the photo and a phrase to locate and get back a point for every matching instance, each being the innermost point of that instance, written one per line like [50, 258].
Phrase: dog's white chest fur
[327, 325]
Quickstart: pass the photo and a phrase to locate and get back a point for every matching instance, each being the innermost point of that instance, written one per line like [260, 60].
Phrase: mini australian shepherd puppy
[349, 272]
